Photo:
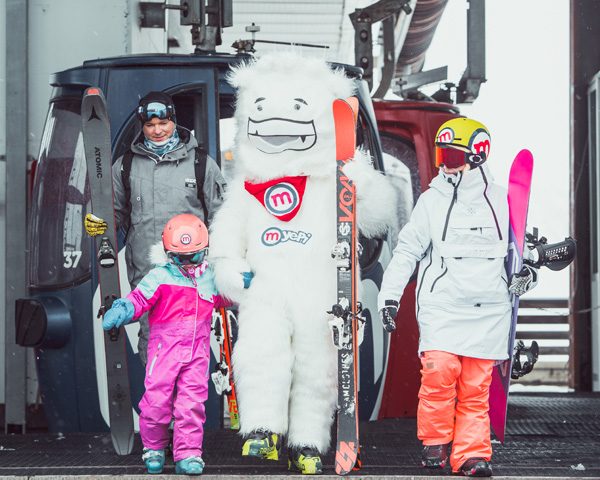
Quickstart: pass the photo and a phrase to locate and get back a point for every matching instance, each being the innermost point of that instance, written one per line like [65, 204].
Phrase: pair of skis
[97, 143]
[346, 312]
[222, 376]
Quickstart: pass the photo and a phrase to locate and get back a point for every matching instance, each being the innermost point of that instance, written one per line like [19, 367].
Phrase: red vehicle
[407, 129]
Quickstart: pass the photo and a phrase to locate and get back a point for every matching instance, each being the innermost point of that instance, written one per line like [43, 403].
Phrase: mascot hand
[232, 277]
[359, 169]
[248, 276]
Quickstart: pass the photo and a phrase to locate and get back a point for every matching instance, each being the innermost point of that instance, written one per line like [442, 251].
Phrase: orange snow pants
[454, 404]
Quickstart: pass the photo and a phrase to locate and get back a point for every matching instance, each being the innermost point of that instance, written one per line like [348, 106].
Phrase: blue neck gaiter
[165, 147]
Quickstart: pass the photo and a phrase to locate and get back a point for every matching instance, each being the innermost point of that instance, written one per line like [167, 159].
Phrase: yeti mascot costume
[278, 221]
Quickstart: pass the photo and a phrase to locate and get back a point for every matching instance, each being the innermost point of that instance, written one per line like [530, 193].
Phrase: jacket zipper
[154, 359]
[195, 318]
[454, 200]
[435, 281]
[423, 278]
[490, 204]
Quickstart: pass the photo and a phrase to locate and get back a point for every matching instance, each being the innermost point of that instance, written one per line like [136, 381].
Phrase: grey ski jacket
[161, 188]
[458, 234]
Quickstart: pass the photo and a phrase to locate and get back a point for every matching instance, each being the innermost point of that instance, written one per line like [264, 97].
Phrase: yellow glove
[94, 225]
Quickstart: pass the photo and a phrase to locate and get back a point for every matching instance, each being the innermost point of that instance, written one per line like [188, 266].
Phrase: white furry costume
[284, 361]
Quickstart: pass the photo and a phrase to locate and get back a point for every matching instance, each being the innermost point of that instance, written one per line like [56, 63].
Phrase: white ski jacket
[458, 232]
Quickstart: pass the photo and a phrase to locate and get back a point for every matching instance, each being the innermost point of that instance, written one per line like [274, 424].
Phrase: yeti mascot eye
[283, 111]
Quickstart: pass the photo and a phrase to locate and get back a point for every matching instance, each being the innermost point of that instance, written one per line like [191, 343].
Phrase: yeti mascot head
[284, 115]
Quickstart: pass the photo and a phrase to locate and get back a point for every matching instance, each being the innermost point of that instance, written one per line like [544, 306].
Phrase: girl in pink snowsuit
[180, 294]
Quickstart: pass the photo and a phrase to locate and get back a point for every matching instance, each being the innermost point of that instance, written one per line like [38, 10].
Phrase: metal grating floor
[548, 435]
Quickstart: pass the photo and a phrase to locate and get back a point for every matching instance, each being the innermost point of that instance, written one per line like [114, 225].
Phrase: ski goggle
[155, 109]
[450, 157]
[193, 258]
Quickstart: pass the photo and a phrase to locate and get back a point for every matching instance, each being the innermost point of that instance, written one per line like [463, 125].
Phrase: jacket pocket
[438, 278]
[472, 231]
[477, 280]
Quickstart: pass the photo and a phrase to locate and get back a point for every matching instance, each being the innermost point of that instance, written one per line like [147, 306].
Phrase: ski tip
[93, 91]
[353, 102]
[123, 444]
[525, 152]
[525, 155]
[344, 118]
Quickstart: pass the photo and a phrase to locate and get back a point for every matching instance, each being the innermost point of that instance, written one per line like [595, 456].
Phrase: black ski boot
[476, 467]
[435, 456]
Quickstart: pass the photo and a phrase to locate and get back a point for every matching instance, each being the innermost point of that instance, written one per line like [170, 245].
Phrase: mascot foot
[262, 444]
[306, 460]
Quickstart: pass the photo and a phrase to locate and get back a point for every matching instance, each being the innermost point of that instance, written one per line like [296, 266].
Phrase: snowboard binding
[555, 256]
[106, 253]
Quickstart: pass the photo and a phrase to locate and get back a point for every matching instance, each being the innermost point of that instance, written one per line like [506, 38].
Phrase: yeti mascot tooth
[279, 222]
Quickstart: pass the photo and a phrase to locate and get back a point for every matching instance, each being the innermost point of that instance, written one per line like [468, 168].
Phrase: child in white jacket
[458, 234]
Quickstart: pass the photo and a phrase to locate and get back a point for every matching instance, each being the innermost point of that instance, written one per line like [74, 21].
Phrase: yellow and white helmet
[462, 140]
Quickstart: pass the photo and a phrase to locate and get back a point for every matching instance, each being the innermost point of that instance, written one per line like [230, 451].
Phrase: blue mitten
[248, 276]
[121, 313]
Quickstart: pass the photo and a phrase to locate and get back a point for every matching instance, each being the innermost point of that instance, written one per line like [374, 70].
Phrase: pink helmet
[185, 234]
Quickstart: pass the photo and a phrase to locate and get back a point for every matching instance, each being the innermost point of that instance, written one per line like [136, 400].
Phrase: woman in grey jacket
[162, 180]
[458, 234]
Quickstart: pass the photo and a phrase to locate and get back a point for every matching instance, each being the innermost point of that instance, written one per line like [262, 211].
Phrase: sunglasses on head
[155, 110]
[193, 258]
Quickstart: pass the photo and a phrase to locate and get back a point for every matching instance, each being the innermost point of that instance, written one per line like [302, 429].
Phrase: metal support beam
[585, 62]
[468, 87]
[362, 19]
[16, 212]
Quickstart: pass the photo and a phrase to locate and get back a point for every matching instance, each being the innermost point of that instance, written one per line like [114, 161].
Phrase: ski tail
[519, 187]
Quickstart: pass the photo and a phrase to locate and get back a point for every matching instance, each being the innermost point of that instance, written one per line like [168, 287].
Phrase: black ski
[346, 311]
[96, 137]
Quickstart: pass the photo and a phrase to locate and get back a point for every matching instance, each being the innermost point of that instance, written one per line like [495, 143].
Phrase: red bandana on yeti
[281, 197]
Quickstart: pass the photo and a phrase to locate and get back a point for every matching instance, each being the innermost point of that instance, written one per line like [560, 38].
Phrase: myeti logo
[281, 198]
[273, 236]
[446, 135]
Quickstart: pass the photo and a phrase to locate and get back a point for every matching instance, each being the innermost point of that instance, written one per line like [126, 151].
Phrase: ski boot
[190, 466]
[154, 460]
[435, 456]
[306, 460]
[262, 444]
[476, 467]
